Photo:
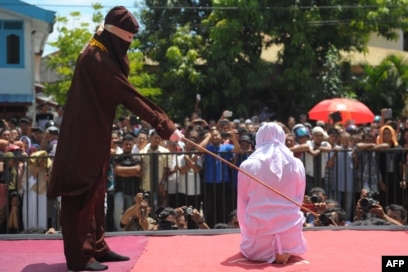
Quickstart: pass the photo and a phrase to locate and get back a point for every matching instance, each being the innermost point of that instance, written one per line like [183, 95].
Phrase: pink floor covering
[48, 255]
[328, 250]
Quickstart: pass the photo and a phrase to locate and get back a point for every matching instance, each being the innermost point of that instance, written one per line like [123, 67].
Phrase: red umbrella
[349, 109]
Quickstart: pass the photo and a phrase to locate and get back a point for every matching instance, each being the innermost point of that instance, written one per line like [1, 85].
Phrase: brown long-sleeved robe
[98, 86]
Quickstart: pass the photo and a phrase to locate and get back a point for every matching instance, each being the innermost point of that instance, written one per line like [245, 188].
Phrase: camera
[388, 113]
[163, 215]
[166, 225]
[227, 113]
[336, 116]
[367, 203]
[326, 219]
[188, 210]
[332, 216]
[146, 196]
[316, 199]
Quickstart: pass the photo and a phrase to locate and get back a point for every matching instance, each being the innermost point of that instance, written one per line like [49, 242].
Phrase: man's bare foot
[282, 258]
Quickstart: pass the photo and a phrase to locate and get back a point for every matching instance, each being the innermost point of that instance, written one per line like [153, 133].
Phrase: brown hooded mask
[120, 17]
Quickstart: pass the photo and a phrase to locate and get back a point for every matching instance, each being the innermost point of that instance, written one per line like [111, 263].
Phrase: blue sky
[64, 7]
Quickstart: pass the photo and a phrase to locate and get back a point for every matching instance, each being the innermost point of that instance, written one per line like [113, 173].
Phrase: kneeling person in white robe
[271, 226]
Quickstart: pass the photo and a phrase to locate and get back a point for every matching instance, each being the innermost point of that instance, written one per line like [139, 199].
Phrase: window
[11, 44]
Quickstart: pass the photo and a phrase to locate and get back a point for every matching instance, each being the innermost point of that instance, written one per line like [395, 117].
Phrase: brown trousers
[82, 220]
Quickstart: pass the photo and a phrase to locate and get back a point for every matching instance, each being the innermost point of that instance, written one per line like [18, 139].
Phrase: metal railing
[212, 190]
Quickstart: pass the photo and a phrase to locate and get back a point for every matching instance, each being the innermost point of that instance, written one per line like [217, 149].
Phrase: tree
[214, 48]
[234, 70]
[232, 36]
[172, 38]
[70, 41]
[307, 31]
[184, 38]
[386, 86]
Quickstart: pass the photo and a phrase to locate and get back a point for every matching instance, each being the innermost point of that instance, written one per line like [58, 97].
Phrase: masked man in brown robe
[100, 83]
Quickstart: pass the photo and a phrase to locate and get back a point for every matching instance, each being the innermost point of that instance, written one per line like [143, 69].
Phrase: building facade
[24, 30]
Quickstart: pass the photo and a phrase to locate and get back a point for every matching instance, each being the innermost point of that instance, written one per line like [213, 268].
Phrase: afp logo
[394, 263]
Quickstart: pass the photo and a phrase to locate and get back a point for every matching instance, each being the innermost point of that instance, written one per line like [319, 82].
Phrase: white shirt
[309, 159]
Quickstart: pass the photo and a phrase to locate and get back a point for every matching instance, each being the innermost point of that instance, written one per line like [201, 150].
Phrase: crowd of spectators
[156, 184]
[352, 164]
[26, 150]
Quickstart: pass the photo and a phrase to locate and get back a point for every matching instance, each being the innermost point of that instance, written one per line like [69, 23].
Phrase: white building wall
[381, 42]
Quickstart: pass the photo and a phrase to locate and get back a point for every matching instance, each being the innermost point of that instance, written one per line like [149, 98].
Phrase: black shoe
[96, 266]
[112, 257]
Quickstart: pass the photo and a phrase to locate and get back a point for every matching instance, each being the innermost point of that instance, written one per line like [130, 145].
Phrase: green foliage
[144, 82]
[308, 31]
[330, 74]
[386, 86]
[214, 48]
[172, 40]
[70, 42]
[215, 52]
[234, 68]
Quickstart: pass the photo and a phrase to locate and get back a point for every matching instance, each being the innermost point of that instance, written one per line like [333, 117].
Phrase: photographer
[370, 212]
[191, 217]
[332, 217]
[316, 202]
[137, 216]
[397, 212]
[166, 219]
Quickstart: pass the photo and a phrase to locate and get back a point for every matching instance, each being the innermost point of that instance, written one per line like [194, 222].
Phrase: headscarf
[118, 17]
[380, 139]
[271, 148]
[28, 146]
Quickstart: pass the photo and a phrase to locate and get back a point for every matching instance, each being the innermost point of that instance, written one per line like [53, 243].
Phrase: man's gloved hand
[176, 136]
